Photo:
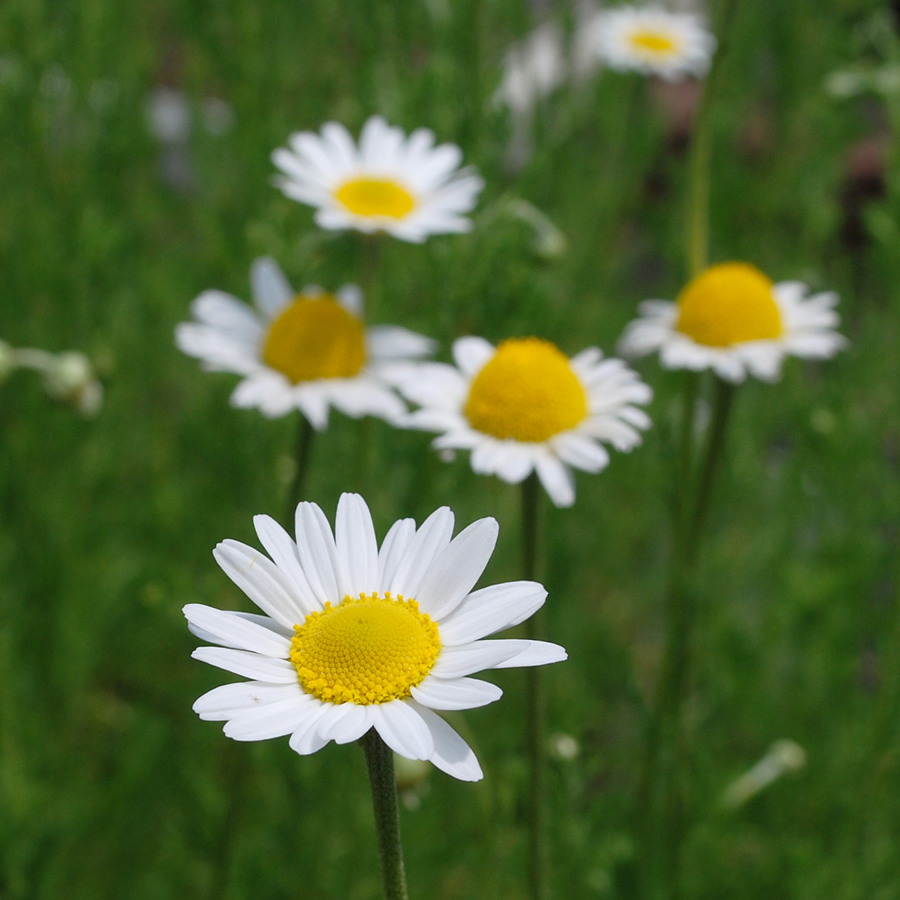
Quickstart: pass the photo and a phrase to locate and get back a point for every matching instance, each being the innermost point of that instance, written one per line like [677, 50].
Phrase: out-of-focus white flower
[524, 407]
[68, 377]
[391, 183]
[654, 41]
[732, 319]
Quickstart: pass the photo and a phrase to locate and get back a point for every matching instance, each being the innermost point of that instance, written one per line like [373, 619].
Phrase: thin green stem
[305, 435]
[380, 763]
[534, 630]
[697, 244]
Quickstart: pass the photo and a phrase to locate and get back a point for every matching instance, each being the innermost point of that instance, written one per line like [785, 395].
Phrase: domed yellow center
[652, 43]
[526, 392]
[376, 197]
[728, 304]
[367, 649]
[315, 337]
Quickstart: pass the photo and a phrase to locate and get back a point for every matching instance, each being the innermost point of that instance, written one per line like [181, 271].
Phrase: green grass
[109, 784]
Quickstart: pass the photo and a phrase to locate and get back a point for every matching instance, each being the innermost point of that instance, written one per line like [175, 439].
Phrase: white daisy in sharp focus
[654, 41]
[355, 637]
[524, 407]
[392, 183]
[732, 319]
[308, 351]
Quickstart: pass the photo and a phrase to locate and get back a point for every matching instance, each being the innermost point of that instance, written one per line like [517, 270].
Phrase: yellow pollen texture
[728, 304]
[315, 337]
[368, 649]
[652, 43]
[376, 197]
[526, 392]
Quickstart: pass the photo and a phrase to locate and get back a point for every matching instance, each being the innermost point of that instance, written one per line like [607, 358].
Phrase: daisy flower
[654, 41]
[355, 637]
[306, 351]
[524, 407]
[393, 183]
[732, 319]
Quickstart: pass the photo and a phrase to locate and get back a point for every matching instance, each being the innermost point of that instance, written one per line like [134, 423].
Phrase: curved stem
[380, 764]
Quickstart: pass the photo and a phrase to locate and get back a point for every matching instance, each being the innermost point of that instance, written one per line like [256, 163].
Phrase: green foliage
[109, 785]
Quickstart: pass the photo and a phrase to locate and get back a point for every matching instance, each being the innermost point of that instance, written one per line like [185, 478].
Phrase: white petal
[274, 720]
[306, 738]
[455, 662]
[283, 550]
[429, 540]
[357, 548]
[318, 555]
[403, 729]
[557, 480]
[538, 653]
[261, 580]
[491, 609]
[249, 665]
[271, 289]
[345, 722]
[231, 630]
[451, 754]
[393, 549]
[459, 693]
[455, 570]
[471, 354]
[229, 700]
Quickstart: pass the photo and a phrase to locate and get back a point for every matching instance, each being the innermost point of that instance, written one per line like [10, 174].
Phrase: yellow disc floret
[526, 392]
[315, 337]
[653, 43]
[376, 197]
[368, 649]
[728, 304]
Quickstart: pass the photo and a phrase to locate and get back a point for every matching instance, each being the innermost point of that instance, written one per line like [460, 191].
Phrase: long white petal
[229, 700]
[455, 662]
[455, 570]
[318, 555]
[357, 548]
[451, 754]
[249, 665]
[538, 653]
[429, 540]
[458, 693]
[272, 721]
[402, 728]
[283, 550]
[491, 609]
[261, 580]
[231, 630]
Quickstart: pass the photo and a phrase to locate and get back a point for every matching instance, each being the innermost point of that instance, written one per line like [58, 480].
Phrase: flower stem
[534, 630]
[305, 436]
[380, 763]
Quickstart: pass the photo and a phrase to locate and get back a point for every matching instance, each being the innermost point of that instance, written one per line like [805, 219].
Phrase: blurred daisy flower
[355, 637]
[524, 407]
[394, 183]
[654, 41]
[732, 319]
[308, 351]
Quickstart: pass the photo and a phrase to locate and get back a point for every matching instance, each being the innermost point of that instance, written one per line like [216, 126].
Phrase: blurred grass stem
[303, 449]
[534, 630]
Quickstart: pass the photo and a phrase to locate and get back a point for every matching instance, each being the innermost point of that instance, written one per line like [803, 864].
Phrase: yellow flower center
[527, 392]
[367, 649]
[376, 197]
[315, 337]
[728, 304]
[653, 43]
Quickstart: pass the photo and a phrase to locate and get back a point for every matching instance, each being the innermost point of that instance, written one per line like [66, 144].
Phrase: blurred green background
[109, 784]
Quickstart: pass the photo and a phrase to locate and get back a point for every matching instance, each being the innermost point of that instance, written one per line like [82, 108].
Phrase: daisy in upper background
[308, 351]
[355, 637]
[654, 41]
[524, 407]
[392, 183]
[732, 319]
